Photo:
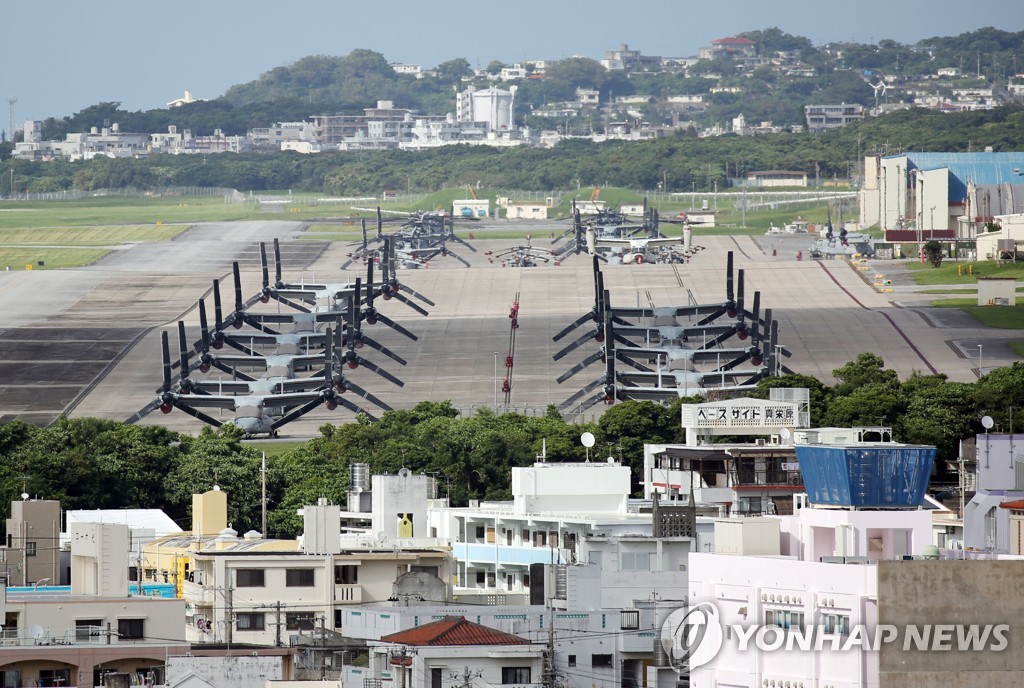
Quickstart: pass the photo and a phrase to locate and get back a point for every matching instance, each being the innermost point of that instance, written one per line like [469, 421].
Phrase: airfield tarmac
[86, 341]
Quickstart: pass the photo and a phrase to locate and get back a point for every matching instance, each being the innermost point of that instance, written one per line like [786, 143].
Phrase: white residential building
[987, 527]
[492, 107]
[814, 573]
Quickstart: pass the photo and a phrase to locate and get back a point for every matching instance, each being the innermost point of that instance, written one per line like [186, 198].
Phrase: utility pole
[548, 678]
[230, 618]
[11, 100]
[263, 494]
[277, 623]
[465, 680]
[323, 652]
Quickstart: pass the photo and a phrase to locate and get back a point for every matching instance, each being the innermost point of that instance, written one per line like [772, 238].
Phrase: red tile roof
[1016, 505]
[453, 630]
[740, 40]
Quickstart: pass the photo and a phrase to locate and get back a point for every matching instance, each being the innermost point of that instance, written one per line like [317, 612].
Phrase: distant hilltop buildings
[486, 116]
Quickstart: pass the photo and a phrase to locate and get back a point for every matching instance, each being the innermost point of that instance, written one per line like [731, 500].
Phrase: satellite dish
[24, 496]
[587, 439]
[36, 631]
[784, 433]
[987, 422]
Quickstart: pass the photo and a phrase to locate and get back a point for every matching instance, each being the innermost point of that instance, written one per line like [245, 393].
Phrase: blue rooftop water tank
[873, 476]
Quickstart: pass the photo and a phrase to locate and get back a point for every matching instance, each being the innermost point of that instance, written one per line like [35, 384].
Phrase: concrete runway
[87, 340]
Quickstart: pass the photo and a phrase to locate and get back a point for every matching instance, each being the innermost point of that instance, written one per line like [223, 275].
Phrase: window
[784, 619]
[299, 578]
[249, 621]
[492, 579]
[481, 577]
[480, 532]
[346, 574]
[432, 570]
[635, 561]
[436, 678]
[131, 629]
[526, 580]
[53, 677]
[30, 549]
[572, 660]
[601, 661]
[88, 628]
[629, 619]
[337, 618]
[515, 675]
[249, 578]
[299, 621]
[837, 624]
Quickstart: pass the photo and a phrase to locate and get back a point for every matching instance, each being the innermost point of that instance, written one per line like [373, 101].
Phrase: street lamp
[979, 360]
[495, 381]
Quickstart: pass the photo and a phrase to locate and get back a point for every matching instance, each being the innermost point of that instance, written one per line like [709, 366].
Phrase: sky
[60, 56]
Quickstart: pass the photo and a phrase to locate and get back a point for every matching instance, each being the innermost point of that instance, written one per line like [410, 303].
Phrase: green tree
[933, 253]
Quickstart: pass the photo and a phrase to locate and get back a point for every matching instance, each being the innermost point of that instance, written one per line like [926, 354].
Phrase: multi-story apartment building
[59, 636]
[822, 117]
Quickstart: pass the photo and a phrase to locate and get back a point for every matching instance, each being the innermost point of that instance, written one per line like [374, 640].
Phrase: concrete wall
[596, 488]
[236, 672]
[952, 592]
[99, 559]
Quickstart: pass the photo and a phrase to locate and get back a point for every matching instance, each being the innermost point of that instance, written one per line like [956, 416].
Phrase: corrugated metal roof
[454, 630]
[980, 168]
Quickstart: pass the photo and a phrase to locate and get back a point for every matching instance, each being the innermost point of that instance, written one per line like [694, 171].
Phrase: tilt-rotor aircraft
[254, 414]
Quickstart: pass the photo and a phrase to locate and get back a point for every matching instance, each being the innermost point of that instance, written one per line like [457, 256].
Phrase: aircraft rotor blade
[395, 326]
[596, 356]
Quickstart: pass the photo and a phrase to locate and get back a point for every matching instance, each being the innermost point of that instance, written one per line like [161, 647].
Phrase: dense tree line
[685, 162]
[89, 463]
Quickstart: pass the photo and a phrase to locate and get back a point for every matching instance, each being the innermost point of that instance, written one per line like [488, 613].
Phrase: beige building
[32, 552]
[256, 591]
[73, 637]
[1004, 244]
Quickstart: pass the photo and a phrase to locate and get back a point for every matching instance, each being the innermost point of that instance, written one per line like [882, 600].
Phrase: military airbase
[87, 341]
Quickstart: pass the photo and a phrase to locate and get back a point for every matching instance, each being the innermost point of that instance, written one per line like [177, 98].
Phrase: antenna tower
[11, 100]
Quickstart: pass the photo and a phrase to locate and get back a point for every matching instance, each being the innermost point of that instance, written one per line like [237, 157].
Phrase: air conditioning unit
[759, 441]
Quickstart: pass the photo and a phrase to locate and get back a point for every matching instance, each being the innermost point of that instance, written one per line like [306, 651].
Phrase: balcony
[350, 594]
[198, 595]
[503, 554]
